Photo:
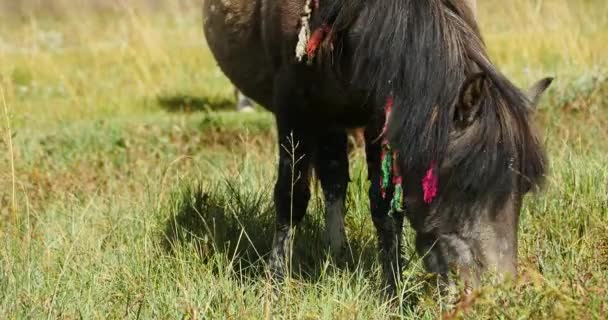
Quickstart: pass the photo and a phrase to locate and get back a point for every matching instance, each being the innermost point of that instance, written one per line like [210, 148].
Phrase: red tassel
[315, 39]
[397, 179]
[388, 108]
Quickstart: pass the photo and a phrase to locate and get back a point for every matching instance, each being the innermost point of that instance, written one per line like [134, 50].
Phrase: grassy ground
[127, 190]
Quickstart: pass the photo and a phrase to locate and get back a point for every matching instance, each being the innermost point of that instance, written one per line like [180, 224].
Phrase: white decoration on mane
[304, 34]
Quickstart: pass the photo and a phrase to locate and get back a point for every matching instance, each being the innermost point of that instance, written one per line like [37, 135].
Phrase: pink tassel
[429, 184]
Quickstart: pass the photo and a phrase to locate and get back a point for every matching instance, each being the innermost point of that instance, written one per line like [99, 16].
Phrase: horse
[454, 138]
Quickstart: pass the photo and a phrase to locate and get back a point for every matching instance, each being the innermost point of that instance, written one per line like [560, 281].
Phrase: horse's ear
[470, 98]
[537, 90]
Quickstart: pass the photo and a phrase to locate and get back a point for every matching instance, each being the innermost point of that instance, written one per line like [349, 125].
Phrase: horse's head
[463, 134]
[493, 158]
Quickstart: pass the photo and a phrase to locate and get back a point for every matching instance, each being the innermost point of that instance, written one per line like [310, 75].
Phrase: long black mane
[421, 53]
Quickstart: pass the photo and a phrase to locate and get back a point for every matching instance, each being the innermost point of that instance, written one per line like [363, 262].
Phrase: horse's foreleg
[292, 189]
[291, 195]
[388, 227]
[332, 169]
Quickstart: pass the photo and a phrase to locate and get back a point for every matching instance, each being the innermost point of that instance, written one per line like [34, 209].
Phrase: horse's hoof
[390, 294]
[276, 268]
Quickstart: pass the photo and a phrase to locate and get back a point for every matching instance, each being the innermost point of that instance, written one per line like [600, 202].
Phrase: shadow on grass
[188, 103]
[238, 223]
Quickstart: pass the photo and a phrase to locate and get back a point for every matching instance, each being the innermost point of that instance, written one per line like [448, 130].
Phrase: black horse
[462, 136]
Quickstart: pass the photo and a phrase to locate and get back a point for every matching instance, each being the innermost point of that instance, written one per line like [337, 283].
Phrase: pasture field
[129, 188]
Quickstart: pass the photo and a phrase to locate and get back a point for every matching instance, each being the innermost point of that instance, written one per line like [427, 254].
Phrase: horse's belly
[232, 32]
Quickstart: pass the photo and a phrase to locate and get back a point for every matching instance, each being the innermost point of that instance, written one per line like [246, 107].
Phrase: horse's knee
[429, 249]
[291, 196]
[334, 178]
[332, 162]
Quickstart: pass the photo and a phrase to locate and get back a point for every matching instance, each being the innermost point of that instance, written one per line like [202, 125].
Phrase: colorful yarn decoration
[308, 44]
[429, 184]
[386, 168]
[390, 173]
[304, 33]
[315, 40]
[397, 201]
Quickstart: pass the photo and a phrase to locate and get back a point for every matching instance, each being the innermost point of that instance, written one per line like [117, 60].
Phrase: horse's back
[254, 41]
[233, 30]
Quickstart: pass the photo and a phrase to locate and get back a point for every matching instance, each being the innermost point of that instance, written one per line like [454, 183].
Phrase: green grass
[129, 189]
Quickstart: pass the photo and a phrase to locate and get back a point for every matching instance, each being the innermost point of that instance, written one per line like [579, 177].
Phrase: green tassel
[387, 168]
[397, 199]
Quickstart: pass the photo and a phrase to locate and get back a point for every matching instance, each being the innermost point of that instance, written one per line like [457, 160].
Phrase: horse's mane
[420, 53]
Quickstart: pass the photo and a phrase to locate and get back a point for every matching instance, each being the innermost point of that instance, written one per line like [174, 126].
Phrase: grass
[127, 190]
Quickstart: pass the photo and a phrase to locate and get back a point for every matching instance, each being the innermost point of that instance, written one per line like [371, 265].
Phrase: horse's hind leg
[332, 169]
[388, 227]
[243, 103]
